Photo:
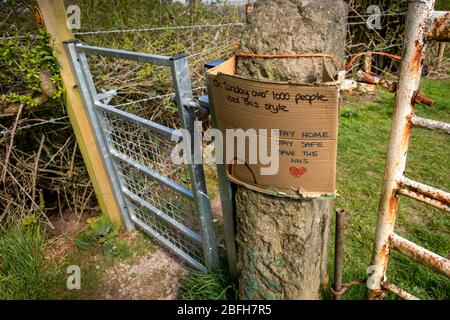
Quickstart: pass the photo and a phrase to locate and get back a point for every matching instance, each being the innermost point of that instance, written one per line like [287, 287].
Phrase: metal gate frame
[97, 110]
[423, 24]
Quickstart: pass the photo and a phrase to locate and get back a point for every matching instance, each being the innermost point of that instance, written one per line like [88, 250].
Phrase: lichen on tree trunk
[282, 243]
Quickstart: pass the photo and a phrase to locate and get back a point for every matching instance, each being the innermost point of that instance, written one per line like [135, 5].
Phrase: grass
[197, 285]
[24, 271]
[362, 147]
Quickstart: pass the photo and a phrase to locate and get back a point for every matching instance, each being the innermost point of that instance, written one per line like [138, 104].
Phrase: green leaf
[109, 251]
[101, 227]
[85, 241]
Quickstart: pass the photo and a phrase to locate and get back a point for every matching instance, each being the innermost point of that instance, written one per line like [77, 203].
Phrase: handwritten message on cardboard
[306, 117]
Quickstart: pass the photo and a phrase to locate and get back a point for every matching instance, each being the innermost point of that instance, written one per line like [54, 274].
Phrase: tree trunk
[282, 243]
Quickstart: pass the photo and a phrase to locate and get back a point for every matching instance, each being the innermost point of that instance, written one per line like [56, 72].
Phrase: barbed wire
[29, 126]
[131, 30]
[162, 96]
[98, 32]
[199, 26]
[378, 15]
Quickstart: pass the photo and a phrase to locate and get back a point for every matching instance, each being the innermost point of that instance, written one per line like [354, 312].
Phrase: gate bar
[151, 125]
[421, 255]
[190, 233]
[182, 85]
[398, 291]
[154, 175]
[439, 26]
[413, 54]
[425, 193]
[127, 55]
[169, 244]
[429, 124]
[88, 93]
[226, 190]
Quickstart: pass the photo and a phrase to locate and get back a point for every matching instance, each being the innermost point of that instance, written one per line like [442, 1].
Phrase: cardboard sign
[306, 117]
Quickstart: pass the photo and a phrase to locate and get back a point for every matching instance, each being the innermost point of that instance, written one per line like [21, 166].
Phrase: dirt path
[142, 270]
[155, 276]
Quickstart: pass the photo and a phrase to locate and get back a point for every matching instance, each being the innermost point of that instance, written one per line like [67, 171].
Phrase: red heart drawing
[297, 172]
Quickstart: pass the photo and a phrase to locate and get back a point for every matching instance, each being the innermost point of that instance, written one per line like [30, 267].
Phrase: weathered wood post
[283, 243]
[53, 15]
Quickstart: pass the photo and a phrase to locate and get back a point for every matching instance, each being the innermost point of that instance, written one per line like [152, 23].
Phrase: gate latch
[201, 107]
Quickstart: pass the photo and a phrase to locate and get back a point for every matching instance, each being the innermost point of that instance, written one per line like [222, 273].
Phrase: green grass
[362, 147]
[24, 272]
[197, 285]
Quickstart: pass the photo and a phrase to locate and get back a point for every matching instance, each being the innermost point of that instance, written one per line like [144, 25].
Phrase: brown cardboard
[307, 117]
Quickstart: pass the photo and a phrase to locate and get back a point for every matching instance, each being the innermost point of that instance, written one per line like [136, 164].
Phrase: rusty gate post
[419, 13]
[339, 253]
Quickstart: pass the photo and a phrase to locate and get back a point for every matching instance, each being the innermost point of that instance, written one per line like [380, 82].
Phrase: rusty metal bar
[419, 13]
[426, 190]
[439, 26]
[398, 291]
[425, 199]
[429, 124]
[339, 253]
[421, 255]
[425, 193]
[419, 96]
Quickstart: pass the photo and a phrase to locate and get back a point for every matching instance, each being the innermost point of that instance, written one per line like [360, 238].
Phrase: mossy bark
[282, 243]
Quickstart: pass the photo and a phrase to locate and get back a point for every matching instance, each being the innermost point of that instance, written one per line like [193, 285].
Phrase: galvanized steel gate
[423, 24]
[166, 200]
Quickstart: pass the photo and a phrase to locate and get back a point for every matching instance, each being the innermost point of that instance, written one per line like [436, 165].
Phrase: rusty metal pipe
[425, 199]
[439, 26]
[418, 97]
[421, 255]
[429, 124]
[419, 13]
[368, 77]
[339, 253]
[426, 190]
[398, 291]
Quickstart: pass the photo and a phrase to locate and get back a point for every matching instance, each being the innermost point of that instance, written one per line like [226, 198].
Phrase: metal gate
[423, 24]
[167, 201]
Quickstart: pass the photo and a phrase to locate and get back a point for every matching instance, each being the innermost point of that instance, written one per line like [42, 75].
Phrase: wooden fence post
[54, 17]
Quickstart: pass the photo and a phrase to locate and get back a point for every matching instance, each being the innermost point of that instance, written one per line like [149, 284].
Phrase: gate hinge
[201, 108]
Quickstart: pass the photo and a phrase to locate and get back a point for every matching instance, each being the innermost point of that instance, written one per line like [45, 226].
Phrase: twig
[11, 142]
[36, 166]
